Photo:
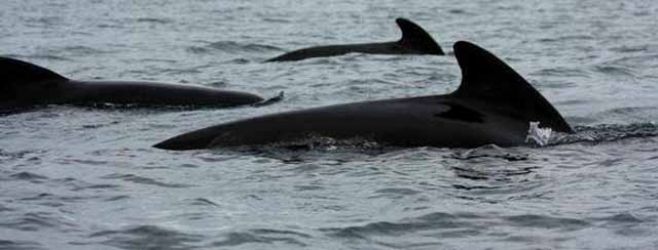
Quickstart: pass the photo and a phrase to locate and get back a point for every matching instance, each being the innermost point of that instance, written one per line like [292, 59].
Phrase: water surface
[81, 178]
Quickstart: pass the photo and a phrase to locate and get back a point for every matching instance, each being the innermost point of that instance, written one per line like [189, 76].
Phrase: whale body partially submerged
[493, 105]
[415, 40]
[24, 85]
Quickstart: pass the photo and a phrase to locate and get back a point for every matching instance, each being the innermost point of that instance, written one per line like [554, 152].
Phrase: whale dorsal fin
[15, 71]
[488, 79]
[416, 38]
[19, 80]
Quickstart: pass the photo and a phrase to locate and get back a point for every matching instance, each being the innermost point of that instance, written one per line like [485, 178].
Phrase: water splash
[540, 136]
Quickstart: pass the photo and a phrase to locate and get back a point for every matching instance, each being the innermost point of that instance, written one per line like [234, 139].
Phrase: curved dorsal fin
[416, 38]
[488, 79]
[17, 71]
[19, 80]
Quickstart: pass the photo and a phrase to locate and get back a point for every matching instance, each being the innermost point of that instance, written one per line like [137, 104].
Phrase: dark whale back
[493, 105]
[414, 40]
[490, 82]
[24, 85]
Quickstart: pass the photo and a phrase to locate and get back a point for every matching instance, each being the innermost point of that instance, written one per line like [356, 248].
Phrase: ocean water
[83, 178]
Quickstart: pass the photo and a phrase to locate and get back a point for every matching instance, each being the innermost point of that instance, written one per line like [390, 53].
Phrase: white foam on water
[540, 136]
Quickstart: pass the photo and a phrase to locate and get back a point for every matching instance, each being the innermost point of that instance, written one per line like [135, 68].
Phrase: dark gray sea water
[83, 178]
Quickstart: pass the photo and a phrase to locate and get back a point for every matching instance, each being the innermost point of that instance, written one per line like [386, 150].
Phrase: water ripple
[430, 221]
[19, 245]
[546, 222]
[262, 236]
[144, 180]
[203, 202]
[431, 229]
[609, 133]
[154, 20]
[231, 47]
[31, 177]
[87, 178]
[37, 221]
[148, 237]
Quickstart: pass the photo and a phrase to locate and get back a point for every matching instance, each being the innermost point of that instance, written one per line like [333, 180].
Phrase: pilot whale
[24, 85]
[492, 105]
[414, 40]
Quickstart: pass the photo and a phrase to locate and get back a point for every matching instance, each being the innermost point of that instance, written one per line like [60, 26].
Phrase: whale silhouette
[25, 85]
[414, 40]
[493, 105]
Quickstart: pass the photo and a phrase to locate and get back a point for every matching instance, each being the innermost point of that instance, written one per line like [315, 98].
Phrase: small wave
[607, 133]
[182, 71]
[19, 245]
[47, 21]
[457, 11]
[546, 222]
[567, 38]
[143, 180]
[646, 60]
[492, 172]
[79, 51]
[79, 185]
[397, 191]
[116, 198]
[231, 47]
[64, 53]
[632, 113]
[561, 72]
[5, 209]
[203, 202]
[615, 70]
[154, 20]
[147, 237]
[84, 161]
[437, 220]
[275, 20]
[621, 219]
[446, 226]
[48, 57]
[302, 188]
[489, 151]
[55, 201]
[262, 236]
[238, 61]
[36, 221]
[28, 176]
[625, 224]
[30, 155]
[630, 49]
[95, 186]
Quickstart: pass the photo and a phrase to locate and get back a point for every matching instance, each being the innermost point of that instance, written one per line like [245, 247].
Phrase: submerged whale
[493, 105]
[414, 40]
[24, 85]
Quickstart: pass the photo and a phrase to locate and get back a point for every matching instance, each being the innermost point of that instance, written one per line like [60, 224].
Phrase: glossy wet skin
[25, 84]
[149, 93]
[417, 121]
[139, 93]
